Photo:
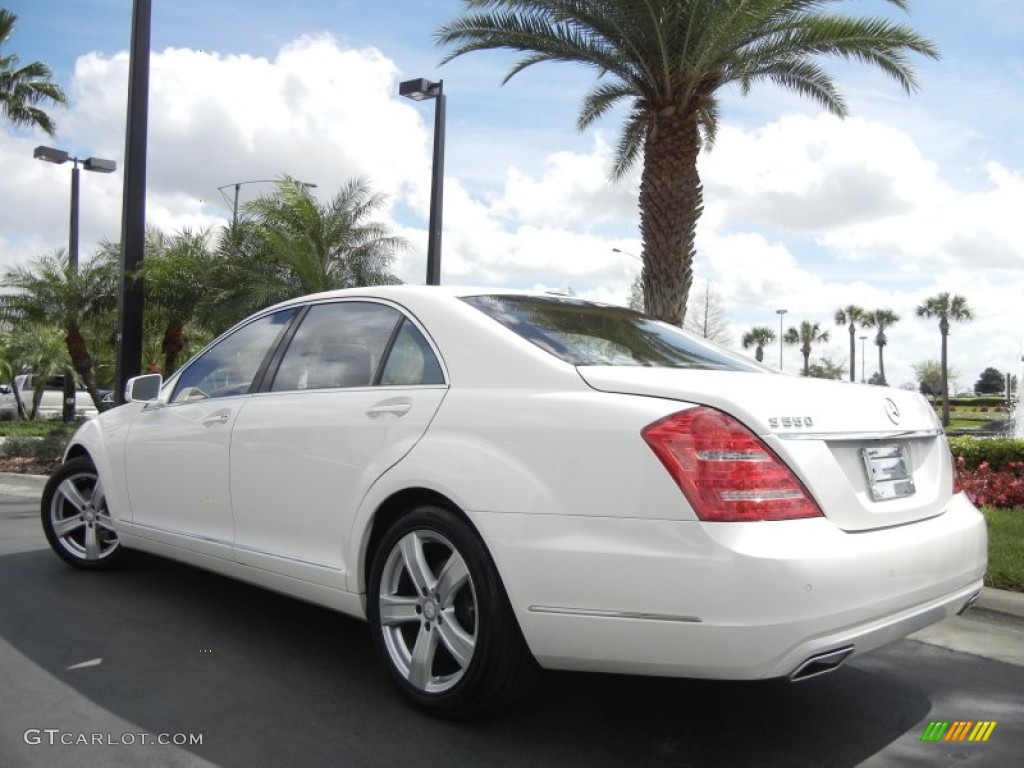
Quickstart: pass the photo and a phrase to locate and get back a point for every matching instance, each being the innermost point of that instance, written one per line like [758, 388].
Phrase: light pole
[862, 340]
[59, 157]
[782, 314]
[419, 90]
[130, 299]
[238, 185]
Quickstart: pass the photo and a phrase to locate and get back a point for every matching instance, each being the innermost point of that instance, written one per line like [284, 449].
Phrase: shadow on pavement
[272, 681]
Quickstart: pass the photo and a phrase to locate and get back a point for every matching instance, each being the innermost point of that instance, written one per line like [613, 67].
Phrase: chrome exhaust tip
[820, 663]
[969, 603]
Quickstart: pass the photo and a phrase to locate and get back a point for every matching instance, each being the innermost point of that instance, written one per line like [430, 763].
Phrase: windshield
[584, 333]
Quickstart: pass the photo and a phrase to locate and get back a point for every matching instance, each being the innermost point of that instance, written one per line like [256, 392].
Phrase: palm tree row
[943, 306]
[196, 284]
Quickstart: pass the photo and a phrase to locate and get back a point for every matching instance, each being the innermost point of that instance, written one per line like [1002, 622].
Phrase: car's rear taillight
[725, 471]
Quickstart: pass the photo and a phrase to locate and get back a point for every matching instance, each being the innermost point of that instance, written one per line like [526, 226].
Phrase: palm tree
[175, 275]
[291, 244]
[23, 89]
[41, 350]
[758, 337]
[808, 335]
[880, 319]
[851, 314]
[48, 293]
[670, 59]
[946, 308]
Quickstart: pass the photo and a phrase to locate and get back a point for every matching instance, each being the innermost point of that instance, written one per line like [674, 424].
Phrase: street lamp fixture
[420, 90]
[99, 165]
[238, 186]
[782, 314]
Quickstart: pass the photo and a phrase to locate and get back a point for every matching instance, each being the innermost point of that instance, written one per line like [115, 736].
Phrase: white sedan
[502, 481]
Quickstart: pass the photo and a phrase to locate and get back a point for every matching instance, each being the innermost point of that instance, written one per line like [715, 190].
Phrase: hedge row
[998, 452]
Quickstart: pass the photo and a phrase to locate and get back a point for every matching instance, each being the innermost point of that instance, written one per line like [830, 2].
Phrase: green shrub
[42, 449]
[997, 451]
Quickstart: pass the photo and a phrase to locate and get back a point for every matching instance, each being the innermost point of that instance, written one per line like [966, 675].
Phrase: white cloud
[807, 213]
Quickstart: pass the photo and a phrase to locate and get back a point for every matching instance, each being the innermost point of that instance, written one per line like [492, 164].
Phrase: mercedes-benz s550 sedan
[500, 482]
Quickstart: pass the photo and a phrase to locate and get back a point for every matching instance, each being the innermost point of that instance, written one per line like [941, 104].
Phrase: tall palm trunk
[671, 201]
[82, 363]
[853, 351]
[944, 329]
[173, 343]
[881, 361]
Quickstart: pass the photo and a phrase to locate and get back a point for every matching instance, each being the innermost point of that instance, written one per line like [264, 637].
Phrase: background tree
[8, 370]
[851, 315]
[47, 294]
[38, 348]
[758, 337]
[175, 275]
[991, 382]
[289, 244]
[929, 377]
[707, 317]
[805, 337]
[23, 89]
[946, 308]
[670, 60]
[636, 295]
[880, 319]
[826, 368]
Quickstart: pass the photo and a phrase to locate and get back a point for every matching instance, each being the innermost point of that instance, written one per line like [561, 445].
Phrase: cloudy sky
[907, 197]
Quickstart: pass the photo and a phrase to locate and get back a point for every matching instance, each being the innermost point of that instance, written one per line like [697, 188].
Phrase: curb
[992, 600]
[1001, 601]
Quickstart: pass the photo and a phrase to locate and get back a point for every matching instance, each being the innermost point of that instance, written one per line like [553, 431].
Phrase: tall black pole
[68, 411]
[133, 210]
[436, 190]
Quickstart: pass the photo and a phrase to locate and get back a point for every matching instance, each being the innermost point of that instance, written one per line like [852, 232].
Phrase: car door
[177, 460]
[354, 391]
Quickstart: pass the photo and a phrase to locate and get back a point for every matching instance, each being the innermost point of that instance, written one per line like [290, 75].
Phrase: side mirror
[143, 389]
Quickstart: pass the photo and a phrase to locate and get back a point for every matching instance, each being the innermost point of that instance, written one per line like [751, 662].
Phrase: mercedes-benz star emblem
[892, 411]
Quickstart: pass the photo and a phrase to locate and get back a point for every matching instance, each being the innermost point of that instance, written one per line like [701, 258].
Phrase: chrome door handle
[220, 417]
[392, 407]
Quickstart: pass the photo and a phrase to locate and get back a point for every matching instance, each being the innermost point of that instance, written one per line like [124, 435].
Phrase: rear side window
[584, 333]
[337, 346]
[411, 361]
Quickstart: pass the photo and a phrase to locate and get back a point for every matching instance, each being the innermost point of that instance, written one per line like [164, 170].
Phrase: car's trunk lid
[871, 456]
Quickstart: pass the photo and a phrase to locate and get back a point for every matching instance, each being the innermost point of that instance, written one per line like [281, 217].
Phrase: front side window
[229, 367]
[584, 333]
[338, 345]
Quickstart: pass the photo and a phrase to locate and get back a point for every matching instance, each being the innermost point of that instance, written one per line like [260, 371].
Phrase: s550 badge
[790, 421]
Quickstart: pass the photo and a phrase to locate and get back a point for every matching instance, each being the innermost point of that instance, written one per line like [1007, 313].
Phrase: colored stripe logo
[958, 730]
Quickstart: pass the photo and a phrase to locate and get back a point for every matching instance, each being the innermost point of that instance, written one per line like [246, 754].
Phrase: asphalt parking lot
[165, 652]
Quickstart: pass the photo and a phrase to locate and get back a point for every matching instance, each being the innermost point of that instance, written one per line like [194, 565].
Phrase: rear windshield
[584, 333]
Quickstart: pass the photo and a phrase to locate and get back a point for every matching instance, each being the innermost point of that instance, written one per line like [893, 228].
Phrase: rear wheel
[75, 517]
[441, 620]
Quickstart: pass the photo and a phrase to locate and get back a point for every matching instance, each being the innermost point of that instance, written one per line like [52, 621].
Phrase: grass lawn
[37, 428]
[1005, 548]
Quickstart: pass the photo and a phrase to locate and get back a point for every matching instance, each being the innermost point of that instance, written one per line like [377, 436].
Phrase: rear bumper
[728, 600]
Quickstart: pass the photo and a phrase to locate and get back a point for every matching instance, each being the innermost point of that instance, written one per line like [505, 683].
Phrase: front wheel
[441, 620]
[75, 517]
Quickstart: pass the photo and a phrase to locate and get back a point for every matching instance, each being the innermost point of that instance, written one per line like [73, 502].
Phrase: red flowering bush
[987, 487]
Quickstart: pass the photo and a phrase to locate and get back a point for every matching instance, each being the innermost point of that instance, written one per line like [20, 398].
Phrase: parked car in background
[498, 481]
[52, 403]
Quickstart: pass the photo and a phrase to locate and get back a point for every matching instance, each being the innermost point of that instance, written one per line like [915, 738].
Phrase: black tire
[75, 517]
[447, 634]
